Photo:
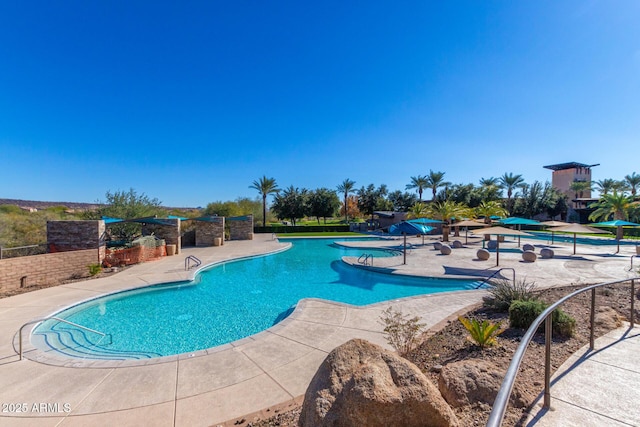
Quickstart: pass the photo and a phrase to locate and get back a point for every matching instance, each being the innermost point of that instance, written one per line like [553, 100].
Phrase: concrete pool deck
[219, 384]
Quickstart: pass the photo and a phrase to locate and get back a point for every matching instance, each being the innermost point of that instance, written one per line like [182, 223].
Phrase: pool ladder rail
[188, 260]
[365, 259]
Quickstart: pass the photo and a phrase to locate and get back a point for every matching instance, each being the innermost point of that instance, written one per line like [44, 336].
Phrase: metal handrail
[365, 260]
[187, 262]
[486, 280]
[59, 320]
[632, 256]
[502, 398]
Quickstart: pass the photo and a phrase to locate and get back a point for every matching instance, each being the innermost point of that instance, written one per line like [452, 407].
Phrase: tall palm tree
[265, 186]
[446, 210]
[345, 188]
[604, 186]
[489, 209]
[436, 180]
[420, 183]
[633, 181]
[617, 205]
[510, 182]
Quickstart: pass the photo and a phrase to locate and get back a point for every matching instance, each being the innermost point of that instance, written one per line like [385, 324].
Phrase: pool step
[76, 343]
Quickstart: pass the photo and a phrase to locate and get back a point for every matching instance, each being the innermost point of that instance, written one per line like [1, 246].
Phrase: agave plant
[483, 334]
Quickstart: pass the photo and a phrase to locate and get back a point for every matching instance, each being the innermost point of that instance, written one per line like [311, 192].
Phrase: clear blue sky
[190, 102]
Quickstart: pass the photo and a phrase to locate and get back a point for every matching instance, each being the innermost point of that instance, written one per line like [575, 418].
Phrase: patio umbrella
[576, 229]
[500, 231]
[424, 221]
[553, 223]
[469, 223]
[405, 228]
[514, 220]
[616, 223]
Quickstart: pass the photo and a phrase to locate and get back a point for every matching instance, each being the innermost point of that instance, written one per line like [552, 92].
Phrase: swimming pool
[225, 303]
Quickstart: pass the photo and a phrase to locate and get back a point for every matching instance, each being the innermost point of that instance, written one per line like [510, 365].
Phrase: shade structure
[577, 229]
[618, 223]
[553, 223]
[500, 231]
[406, 227]
[469, 223]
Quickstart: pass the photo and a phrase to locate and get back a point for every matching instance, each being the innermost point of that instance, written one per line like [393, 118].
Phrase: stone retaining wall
[64, 236]
[208, 231]
[241, 227]
[46, 269]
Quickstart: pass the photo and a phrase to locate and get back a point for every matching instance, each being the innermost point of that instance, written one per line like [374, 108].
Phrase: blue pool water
[226, 303]
[566, 238]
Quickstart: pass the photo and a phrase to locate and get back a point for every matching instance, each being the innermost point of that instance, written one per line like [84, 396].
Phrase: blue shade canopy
[110, 220]
[615, 223]
[424, 221]
[405, 227]
[514, 220]
[181, 218]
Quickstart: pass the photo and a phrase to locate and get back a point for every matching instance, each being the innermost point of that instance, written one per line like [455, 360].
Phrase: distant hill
[71, 205]
[43, 205]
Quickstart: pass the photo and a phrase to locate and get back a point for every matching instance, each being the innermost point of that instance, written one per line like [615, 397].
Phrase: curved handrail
[502, 398]
[59, 320]
[364, 258]
[187, 262]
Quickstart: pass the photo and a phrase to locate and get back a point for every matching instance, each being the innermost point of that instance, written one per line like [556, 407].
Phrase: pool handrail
[188, 259]
[486, 280]
[502, 399]
[44, 319]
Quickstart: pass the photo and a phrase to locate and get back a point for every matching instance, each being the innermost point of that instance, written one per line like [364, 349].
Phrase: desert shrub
[94, 269]
[523, 313]
[401, 332]
[504, 292]
[483, 334]
[563, 324]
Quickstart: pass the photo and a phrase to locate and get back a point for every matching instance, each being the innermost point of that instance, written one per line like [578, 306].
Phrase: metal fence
[20, 251]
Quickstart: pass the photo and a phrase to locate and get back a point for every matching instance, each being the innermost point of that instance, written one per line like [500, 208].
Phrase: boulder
[528, 247]
[546, 253]
[445, 249]
[492, 244]
[457, 244]
[476, 381]
[483, 254]
[437, 245]
[529, 256]
[362, 384]
[607, 317]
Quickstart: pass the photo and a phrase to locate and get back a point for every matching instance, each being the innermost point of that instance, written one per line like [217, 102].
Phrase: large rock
[362, 384]
[608, 318]
[472, 381]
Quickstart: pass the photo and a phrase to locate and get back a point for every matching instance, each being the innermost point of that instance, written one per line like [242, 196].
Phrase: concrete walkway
[596, 388]
[219, 384]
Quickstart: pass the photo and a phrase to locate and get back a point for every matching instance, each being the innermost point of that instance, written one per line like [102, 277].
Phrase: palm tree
[489, 209]
[510, 182]
[435, 180]
[345, 188]
[489, 182]
[633, 181]
[419, 182]
[579, 187]
[617, 205]
[265, 186]
[446, 210]
[604, 186]
[419, 210]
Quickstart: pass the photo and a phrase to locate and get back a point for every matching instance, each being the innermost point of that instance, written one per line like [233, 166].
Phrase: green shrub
[94, 269]
[523, 313]
[563, 324]
[401, 332]
[504, 292]
[483, 334]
